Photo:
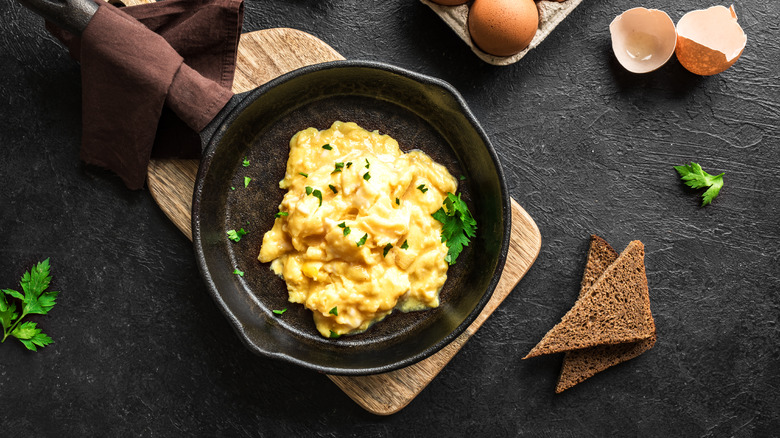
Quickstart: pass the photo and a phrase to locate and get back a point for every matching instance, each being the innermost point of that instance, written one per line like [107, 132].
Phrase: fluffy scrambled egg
[354, 237]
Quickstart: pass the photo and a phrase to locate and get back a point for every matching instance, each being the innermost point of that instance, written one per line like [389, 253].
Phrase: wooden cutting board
[262, 56]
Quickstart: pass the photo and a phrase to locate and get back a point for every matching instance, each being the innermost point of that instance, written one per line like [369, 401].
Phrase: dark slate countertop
[141, 349]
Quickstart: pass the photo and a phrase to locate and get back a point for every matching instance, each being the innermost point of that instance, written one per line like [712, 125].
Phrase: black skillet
[421, 113]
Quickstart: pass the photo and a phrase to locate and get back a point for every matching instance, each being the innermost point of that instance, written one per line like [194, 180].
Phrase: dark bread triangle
[579, 365]
[616, 309]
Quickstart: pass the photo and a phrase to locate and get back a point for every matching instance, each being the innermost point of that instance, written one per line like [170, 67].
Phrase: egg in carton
[456, 14]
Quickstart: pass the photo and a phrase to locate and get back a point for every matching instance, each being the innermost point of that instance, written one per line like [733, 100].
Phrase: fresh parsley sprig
[458, 226]
[35, 299]
[693, 176]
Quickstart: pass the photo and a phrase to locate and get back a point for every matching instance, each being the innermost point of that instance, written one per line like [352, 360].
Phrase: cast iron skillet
[421, 113]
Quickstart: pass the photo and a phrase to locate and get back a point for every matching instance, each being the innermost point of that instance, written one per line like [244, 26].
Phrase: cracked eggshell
[643, 39]
[709, 40]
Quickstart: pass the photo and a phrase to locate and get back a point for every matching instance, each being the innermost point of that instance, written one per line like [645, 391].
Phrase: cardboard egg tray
[550, 14]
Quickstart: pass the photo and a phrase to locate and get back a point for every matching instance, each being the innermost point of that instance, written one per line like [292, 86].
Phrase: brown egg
[450, 2]
[503, 27]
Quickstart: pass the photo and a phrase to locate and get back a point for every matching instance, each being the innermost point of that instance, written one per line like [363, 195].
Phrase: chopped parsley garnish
[282, 213]
[338, 168]
[334, 335]
[405, 245]
[366, 176]
[462, 177]
[246, 181]
[238, 272]
[309, 190]
[332, 189]
[362, 240]
[368, 165]
[458, 226]
[279, 312]
[318, 194]
[387, 249]
[422, 188]
[345, 227]
[397, 201]
[327, 147]
[305, 175]
[235, 236]
[349, 164]
[232, 188]
[334, 311]
[245, 163]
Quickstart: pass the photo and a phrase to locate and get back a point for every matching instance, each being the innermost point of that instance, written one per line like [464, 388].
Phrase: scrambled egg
[354, 238]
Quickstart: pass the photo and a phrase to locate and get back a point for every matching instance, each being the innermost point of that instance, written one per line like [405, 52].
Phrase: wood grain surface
[263, 55]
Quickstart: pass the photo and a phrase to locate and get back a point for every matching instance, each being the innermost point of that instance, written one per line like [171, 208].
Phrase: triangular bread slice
[616, 309]
[579, 365]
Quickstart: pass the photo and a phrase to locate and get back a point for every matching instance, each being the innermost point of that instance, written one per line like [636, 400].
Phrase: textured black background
[141, 349]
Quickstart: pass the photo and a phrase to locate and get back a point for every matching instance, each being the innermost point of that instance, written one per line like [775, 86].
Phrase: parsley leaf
[693, 176]
[327, 147]
[334, 311]
[345, 227]
[462, 177]
[309, 190]
[334, 335]
[397, 201]
[305, 175]
[387, 249]
[35, 299]
[318, 194]
[458, 226]
[366, 176]
[422, 188]
[405, 245]
[279, 312]
[245, 163]
[236, 236]
[282, 213]
[362, 240]
[349, 164]
[332, 188]
[246, 181]
[338, 168]
[368, 165]
[238, 272]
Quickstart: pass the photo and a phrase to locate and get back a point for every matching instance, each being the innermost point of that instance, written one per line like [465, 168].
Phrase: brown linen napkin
[148, 94]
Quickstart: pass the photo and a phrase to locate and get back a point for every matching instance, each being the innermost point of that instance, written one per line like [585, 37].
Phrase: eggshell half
[643, 39]
[709, 40]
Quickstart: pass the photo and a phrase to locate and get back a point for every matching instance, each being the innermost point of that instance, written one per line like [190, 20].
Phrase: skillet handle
[71, 15]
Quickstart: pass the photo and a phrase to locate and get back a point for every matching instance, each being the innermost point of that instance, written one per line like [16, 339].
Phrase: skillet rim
[213, 133]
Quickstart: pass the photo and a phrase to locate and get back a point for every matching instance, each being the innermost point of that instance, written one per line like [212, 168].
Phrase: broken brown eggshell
[643, 39]
[706, 41]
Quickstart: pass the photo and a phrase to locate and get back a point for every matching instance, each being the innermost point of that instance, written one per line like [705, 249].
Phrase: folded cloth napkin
[153, 76]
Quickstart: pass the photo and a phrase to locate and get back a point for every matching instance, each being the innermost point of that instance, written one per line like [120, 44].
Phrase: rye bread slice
[579, 365]
[616, 309]
[600, 256]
